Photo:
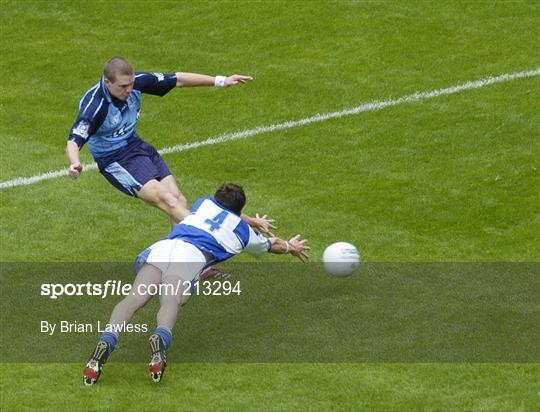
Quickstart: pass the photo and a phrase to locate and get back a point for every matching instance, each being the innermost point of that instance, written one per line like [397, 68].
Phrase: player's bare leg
[138, 297]
[170, 184]
[165, 196]
[170, 304]
[123, 312]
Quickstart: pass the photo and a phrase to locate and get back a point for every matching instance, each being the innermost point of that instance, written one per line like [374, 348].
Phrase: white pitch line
[364, 107]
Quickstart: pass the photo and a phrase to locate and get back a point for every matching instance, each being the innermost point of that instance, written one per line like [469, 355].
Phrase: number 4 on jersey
[216, 222]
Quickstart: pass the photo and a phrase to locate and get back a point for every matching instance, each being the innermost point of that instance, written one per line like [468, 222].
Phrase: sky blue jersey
[219, 231]
[108, 124]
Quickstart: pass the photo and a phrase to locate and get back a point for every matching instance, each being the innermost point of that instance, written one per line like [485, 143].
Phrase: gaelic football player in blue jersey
[107, 121]
[212, 232]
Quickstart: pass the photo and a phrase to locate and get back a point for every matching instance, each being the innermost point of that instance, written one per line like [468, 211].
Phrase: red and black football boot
[93, 368]
[158, 363]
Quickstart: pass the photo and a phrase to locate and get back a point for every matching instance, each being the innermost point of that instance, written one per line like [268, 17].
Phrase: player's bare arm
[295, 246]
[262, 223]
[195, 79]
[75, 166]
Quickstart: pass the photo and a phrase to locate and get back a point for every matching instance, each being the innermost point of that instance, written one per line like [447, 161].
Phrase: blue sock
[111, 338]
[165, 334]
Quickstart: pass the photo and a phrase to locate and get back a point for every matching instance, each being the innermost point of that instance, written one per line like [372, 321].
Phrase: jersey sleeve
[92, 113]
[158, 84]
[257, 245]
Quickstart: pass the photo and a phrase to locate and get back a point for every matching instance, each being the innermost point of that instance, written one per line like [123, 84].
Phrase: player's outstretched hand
[298, 248]
[74, 170]
[237, 78]
[263, 224]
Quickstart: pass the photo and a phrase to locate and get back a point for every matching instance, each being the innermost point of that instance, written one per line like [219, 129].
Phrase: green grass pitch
[450, 179]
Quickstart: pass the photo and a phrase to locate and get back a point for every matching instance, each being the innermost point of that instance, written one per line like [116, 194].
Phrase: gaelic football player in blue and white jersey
[213, 232]
[107, 121]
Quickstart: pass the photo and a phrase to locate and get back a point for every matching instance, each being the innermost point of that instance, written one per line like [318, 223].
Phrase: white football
[341, 259]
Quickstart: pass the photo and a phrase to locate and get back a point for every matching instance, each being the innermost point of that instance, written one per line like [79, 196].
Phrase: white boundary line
[364, 107]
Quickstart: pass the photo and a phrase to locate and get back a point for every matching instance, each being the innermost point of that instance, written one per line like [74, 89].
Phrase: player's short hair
[231, 196]
[115, 66]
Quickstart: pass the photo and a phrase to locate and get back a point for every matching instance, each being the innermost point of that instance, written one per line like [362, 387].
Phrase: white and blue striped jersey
[109, 125]
[219, 232]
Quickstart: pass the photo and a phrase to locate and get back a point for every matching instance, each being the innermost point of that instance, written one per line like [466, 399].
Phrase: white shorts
[177, 260]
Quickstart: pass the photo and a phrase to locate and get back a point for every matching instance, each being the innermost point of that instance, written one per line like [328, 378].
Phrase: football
[341, 259]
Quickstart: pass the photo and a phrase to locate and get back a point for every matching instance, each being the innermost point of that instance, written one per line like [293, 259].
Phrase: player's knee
[134, 302]
[126, 305]
[181, 199]
[141, 300]
[169, 200]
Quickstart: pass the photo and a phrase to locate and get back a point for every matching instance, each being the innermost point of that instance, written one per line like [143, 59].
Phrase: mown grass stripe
[364, 107]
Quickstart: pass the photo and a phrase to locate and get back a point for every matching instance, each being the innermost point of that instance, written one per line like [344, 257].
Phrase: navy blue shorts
[138, 166]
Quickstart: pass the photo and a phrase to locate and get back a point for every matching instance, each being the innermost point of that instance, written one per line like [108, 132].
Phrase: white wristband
[220, 81]
[288, 248]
